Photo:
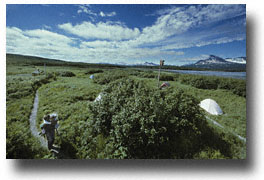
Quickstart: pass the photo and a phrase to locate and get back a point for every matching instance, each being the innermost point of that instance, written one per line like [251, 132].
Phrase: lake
[237, 75]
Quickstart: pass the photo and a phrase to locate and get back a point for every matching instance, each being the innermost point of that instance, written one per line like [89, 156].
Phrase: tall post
[45, 68]
[159, 77]
[161, 64]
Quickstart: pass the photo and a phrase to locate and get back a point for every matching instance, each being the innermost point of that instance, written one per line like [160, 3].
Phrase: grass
[70, 97]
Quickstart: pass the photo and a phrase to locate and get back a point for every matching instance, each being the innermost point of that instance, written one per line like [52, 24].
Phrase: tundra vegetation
[133, 119]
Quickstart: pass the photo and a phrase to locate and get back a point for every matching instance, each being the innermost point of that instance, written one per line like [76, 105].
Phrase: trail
[219, 125]
[32, 120]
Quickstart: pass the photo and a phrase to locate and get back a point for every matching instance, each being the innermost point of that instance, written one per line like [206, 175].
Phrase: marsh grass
[71, 96]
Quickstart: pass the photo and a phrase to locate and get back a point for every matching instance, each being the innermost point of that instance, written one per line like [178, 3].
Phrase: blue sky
[180, 34]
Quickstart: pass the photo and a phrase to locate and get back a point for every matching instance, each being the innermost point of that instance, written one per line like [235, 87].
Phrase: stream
[32, 120]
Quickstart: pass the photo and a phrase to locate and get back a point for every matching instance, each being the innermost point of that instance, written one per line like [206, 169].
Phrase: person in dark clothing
[48, 128]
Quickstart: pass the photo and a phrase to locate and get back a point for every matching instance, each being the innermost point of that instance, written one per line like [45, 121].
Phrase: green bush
[201, 82]
[139, 122]
[167, 77]
[47, 79]
[67, 74]
[109, 76]
[148, 74]
[237, 86]
[93, 71]
[163, 76]
[20, 144]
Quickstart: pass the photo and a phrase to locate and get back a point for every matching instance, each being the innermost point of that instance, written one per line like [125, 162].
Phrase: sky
[128, 33]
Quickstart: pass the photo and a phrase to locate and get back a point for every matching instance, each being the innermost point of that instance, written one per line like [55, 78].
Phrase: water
[237, 75]
[32, 120]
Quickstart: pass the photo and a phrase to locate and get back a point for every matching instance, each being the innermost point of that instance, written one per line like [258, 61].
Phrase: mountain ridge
[215, 62]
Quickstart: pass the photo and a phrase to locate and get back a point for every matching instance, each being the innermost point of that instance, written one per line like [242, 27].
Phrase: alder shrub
[93, 71]
[236, 86]
[67, 74]
[163, 76]
[137, 121]
[109, 76]
[20, 144]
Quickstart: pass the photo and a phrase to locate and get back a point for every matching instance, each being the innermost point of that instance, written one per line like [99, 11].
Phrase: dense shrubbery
[20, 144]
[237, 86]
[93, 71]
[163, 76]
[109, 76]
[134, 121]
[201, 82]
[69, 97]
[19, 87]
[148, 74]
[46, 79]
[168, 77]
[67, 74]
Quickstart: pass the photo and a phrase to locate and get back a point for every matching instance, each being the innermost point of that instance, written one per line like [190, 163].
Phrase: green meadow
[133, 120]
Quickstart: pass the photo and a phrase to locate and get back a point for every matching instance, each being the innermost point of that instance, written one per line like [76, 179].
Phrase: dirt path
[33, 124]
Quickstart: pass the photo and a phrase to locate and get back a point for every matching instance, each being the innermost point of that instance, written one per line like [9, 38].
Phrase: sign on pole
[161, 62]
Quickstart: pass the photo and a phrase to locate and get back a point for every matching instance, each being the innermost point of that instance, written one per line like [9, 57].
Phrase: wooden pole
[161, 64]
[159, 77]
[45, 68]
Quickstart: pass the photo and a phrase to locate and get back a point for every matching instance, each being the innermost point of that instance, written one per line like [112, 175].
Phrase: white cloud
[101, 30]
[102, 14]
[85, 9]
[36, 42]
[192, 26]
[53, 45]
[174, 29]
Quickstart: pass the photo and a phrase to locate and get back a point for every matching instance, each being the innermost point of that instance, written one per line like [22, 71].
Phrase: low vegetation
[132, 120]
[19, 102]
[237, 86]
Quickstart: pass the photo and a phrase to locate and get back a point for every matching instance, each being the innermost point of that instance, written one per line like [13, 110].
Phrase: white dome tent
[211, 107]
[99, 97]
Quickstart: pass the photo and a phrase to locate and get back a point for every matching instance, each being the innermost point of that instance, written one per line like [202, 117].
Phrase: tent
[211, 107]
[36, 72]
[92, 76]
[99, 97]
[164, 85]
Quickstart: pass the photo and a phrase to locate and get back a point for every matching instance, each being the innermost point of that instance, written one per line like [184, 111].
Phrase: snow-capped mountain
[215, 62]
[211, 60]
[240, 60]
[137, 64]
[149, 64]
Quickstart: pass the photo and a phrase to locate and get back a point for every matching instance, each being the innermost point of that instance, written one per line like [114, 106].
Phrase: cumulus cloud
[102, 14]
[48, 44]
[101, 30]
[176, 28]
[36, 42]
[194, 26]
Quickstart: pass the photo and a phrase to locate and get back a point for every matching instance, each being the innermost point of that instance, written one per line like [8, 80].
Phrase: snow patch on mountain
[240, 60]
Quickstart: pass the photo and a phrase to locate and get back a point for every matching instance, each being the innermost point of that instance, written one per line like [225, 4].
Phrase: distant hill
[137, 64]
[14, 59]
[218, 63]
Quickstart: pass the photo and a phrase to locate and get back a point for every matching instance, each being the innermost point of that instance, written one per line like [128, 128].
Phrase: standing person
[48, 128]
